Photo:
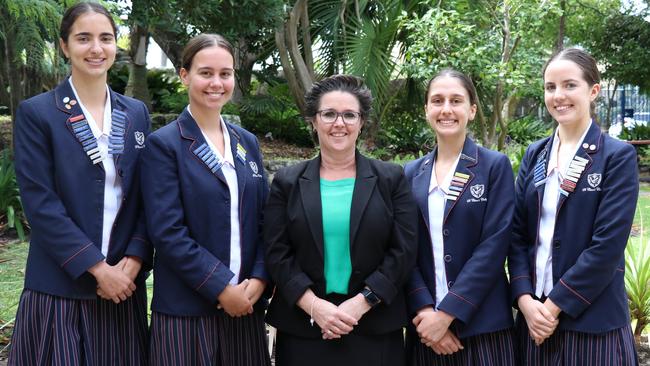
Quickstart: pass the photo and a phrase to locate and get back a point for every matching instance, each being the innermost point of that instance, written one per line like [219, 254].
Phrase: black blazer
[383, 243]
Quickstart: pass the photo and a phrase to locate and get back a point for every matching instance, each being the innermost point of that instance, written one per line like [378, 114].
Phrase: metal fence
[628, 104]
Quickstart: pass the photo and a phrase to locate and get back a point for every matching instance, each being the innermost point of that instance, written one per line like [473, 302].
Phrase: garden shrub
[11, 207]
[528, 129]
[274, 111]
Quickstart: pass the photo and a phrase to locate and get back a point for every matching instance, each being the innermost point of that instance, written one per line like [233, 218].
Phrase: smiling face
[567, 94]
[338, 136]
[90, 46]
[448, 108]
[211, 78]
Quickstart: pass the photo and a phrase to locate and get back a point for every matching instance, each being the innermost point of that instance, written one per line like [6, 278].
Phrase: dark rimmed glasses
[329, 116]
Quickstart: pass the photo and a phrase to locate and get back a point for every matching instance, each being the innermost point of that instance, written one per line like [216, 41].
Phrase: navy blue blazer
[63, 193]
[476, 233]
[382, 244]
[188, 216]
[591, 230]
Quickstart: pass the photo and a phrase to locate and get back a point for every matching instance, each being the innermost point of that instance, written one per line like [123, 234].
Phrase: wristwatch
[372, 299]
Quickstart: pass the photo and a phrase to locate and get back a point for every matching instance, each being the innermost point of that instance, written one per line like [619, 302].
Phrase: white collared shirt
[229, 172]
[544, 258]
[436, 203]
[112, 181]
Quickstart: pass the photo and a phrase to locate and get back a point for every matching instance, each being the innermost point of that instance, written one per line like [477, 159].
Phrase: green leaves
[11, 208]
[637, 282]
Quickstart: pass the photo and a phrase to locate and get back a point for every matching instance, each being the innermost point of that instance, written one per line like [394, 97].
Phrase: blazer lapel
[240, 160]
[120, 127]
[311, 201]
[199, 147]
[76, 123]
[540, 169]
[463, 175]
[420, 185]
[364, 185]
[580, 163]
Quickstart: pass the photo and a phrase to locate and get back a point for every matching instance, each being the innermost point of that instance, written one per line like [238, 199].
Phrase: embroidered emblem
[594, 179]
[477, 190]
[253, 166]
[139, 139]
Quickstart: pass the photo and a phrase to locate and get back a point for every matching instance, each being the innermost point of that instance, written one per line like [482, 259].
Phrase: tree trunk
[289, 72]
[137, 86]
[244, 62]
[172, 44]
[5, 98]
[607, 123]
[13, 71]
[298, 68]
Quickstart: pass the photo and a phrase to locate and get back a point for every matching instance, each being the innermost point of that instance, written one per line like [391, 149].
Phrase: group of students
[349, 249]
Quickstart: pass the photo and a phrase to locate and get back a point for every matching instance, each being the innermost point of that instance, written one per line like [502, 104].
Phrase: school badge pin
[477, 190]
[594, 179]
[139, 139]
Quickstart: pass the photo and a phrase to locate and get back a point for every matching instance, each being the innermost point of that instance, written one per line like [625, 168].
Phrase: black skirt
[349, 350]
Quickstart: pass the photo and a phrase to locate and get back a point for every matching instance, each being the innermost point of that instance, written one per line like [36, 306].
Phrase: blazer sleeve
[393, 272]
[195, 265]
[259, 268]
[479, 273]
[518, 265]
[139, 245]
[417, 292]
[597, 265]
[418, 295]
[280, 257]
[64, 241]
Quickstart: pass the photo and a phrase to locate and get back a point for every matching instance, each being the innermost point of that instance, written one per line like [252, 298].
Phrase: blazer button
[450, 283]
[556, 244]
[120, 172]
[447, 258]
[445, 232]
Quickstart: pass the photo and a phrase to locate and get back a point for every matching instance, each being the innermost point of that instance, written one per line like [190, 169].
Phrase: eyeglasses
[349, 117]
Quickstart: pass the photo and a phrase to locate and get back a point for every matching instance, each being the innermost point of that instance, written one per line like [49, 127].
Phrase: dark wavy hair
[344, 83]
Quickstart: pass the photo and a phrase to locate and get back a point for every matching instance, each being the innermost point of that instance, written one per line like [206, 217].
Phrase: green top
[336, 199]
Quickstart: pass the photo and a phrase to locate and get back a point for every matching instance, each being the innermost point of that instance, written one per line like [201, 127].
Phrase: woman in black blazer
[341, 236]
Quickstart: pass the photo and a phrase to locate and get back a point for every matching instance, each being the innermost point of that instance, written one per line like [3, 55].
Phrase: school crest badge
[253, 166]
[139, 139]
[594, 179]
[477, 190]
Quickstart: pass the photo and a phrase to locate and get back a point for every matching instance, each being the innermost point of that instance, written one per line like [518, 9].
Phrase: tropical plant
[28, 62]
[528, 129]
[637, 282]
[11, 207]
[273, 111]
